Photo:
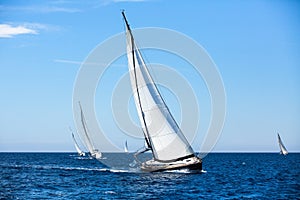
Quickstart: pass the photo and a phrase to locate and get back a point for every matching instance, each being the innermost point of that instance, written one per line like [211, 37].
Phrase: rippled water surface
[227, 176]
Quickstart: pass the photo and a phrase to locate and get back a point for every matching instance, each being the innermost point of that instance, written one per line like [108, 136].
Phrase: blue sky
[255, 45]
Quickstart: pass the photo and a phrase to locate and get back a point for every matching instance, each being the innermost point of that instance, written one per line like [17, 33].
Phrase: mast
[136, 83]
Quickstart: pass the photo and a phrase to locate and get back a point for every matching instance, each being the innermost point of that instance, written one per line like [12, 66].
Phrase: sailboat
[95, 153]
[79, 151]
[283, 150]
[170, 149]
[126, 147]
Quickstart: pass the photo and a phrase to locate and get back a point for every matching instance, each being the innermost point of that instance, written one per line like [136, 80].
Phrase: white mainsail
[87, 140]
[79, 151]
[161, 131]
[283, 150]
[126, 147]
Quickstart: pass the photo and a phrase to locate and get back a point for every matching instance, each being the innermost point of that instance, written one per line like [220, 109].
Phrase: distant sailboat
[95, 153]
[79, 151]
[126, 147]
[283, 150]
[170, 148]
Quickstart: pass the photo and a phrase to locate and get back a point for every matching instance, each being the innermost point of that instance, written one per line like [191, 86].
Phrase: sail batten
[161, 131]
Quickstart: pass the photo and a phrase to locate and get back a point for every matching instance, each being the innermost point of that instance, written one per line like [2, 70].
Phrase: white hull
[81, 154]
[96, 154]
[283, 152]
[193, 163]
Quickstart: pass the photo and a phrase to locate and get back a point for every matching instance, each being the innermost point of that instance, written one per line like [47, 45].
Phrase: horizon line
[149, 152]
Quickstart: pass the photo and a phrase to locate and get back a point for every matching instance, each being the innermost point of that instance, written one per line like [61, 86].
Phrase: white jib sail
[126, 147]
[283, 150]
[86, 136]
[79, 151]
[161, 130]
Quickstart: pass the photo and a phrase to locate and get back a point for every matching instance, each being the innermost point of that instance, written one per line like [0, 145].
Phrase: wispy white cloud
[11, 29]
[48, 9]
[39, 9]
[68, 61]
[8, 31]
[87, 63]
[39, 26]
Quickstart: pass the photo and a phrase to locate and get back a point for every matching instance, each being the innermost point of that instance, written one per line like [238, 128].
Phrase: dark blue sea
[227, 176]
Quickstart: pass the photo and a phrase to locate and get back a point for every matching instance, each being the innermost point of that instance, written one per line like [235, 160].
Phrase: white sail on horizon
[126, 147]
[79, 151]
[283, 150]
[87, 140]
[161, 131]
